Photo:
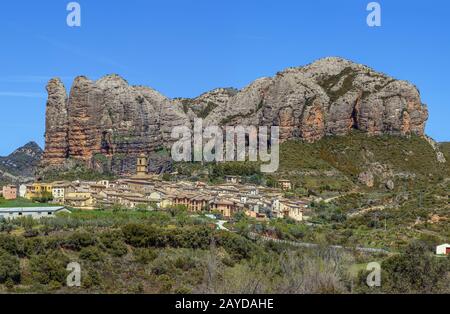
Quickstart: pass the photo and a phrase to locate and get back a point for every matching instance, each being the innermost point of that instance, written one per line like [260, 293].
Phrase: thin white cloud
[74, 50]
[23, 94]
[80, 53]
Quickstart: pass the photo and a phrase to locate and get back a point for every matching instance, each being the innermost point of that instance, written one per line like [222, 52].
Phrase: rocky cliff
[107, 118]
[329, 97]
[332, 96]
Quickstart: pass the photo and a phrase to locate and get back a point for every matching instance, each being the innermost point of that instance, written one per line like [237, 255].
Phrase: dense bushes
[142, 236]
[49, 268]
[415, 270]
[79, 240]
[9, 268]
[113, 241]
[92, 254]
[193, 237]
[13, 245]
[139, 235]
[144, 256]
[237, 246]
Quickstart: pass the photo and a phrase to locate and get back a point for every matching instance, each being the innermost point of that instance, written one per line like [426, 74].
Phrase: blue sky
[186, 47]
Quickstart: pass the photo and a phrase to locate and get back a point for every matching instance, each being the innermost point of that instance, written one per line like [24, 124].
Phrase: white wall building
[22, 190]
[443, 249]
[34, 212]
[58, 193]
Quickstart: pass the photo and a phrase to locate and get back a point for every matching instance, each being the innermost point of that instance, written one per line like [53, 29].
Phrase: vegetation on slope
[157, 252]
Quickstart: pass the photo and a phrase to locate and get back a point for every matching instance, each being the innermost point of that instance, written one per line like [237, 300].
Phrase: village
[149, 192]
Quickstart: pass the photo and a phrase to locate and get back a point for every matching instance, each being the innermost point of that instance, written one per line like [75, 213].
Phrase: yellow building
[38, 190]
[225, 207]
[80, 200]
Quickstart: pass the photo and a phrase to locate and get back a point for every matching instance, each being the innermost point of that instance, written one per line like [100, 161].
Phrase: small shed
[443, 249]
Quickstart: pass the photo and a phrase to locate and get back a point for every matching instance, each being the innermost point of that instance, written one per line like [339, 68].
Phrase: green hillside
[339, 161]
[445, 148]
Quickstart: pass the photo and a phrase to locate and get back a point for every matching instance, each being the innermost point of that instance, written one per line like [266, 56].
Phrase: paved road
[311, 245]
[366, 210]
[220, 226]
[328, 200]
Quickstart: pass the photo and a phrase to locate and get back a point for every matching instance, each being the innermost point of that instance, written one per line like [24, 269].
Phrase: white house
[286, 208]
[34, 212]
[58, 192]
[22, 190]
[443, 249]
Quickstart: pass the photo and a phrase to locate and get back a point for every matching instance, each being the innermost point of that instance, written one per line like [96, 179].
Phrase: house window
[49, 213]
[20, 214]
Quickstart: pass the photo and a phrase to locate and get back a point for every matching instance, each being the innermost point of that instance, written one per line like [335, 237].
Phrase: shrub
[416, 271]
[79, 240]
[34, 246]
[237, 246]
[139, 235]
[197, 237]
[92, 254]
[31, 233]
[49, 267]
[161, 266]
[166, 284]
[117, 248]
[13, 245]
[185, 262]
[145, 256]
[114, 243]
[91, 279]
[9, 268]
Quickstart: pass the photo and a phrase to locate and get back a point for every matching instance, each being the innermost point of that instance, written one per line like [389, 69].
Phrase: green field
[21, 202]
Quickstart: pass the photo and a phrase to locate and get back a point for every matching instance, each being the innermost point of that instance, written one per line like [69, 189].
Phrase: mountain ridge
[331, 96]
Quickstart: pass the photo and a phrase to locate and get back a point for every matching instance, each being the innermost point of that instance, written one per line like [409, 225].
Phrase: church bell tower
[142, 165]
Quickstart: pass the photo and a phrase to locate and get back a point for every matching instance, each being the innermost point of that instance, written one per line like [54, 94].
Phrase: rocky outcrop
[367, 179]
[202, 105]
[329, 97]
[332, 96]
[57, 124]
[439, 155]
[107, 117]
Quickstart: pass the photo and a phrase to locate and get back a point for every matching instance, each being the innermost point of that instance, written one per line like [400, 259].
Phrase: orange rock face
[286, 123]
[106, 117]
[56, 144]
[313, 124]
